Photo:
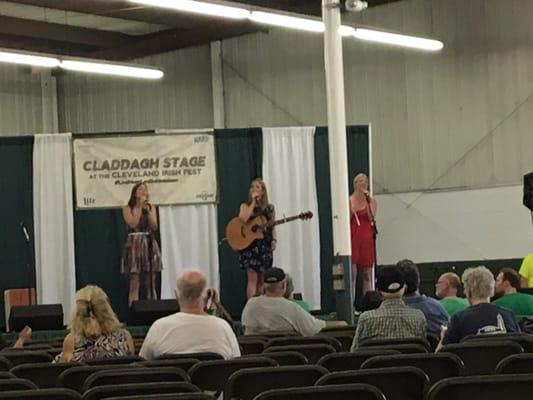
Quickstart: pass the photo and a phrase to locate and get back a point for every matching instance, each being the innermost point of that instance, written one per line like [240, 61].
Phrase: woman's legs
[367, 279]
[251, 283]
[134, 288]
[260, 283]
[154, 292]
[354, 280]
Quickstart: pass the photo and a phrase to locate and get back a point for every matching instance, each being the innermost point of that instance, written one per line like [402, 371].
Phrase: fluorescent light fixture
[398, 39]
[28, 59]
[346, 30]
[111, 69]
[287, 21]
[198, 7]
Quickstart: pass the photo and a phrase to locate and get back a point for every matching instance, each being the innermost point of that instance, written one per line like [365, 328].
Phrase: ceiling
[120, 30]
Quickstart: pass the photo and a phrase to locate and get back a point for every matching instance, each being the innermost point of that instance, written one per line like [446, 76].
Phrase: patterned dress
[258, 256]
[114, 344]
[141, 252]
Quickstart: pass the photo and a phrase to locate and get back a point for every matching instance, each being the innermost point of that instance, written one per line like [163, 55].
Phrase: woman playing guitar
[258, 256]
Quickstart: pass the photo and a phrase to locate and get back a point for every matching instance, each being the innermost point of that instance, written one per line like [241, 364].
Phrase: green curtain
[239, 155]
[99, 237]
[16, 186]
[358, 161]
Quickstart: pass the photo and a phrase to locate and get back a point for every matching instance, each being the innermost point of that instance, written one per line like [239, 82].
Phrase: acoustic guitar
[240, 234]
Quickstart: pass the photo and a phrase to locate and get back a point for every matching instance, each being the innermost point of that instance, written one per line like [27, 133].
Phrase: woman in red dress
[361, 204]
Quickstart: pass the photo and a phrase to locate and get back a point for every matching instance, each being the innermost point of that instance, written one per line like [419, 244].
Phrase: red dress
[362, 240]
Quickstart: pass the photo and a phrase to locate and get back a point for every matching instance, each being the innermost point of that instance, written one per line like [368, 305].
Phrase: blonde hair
[264, 200]
[93, 315]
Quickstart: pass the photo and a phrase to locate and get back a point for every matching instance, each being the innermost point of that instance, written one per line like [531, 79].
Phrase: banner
[178, 168]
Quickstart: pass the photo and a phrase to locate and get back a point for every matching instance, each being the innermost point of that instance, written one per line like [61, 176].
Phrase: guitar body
[240, 234]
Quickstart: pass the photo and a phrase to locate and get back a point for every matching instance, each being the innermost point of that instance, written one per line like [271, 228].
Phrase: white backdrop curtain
[289, 174]
[54, 220]
[188, 239]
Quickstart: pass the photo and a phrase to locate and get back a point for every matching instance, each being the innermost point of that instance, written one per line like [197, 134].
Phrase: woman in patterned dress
[258, 256]
[95, 331]
[141, 255]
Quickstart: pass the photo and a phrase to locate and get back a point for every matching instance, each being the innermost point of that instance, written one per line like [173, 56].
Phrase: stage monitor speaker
[528, 190]
[42, 317]
[145, 312]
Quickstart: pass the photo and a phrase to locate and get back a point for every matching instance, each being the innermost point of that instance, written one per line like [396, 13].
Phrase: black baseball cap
[390, 279]
[273, 275]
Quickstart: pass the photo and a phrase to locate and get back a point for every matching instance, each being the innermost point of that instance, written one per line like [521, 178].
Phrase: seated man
[481, 317]
[507, 284]
[272, 312]
[435, 314]
[393, 319]
[191, 330]
[526, 271]
[446, 290]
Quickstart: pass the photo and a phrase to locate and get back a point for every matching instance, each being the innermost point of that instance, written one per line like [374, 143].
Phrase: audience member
[481, 317]
[370, 301]
[507, 284]
[446, 290]
[289, 293]
[393, 319]
[191, 330]
[435, 314]
[272, 312]
[95, 331]
[526, 271]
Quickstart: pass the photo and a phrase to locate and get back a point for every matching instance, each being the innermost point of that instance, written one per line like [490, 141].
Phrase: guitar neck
[284, 220]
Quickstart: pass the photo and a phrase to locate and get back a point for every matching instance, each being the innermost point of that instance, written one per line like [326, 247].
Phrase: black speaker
[42, 317]
[528, 190]
[145, 312]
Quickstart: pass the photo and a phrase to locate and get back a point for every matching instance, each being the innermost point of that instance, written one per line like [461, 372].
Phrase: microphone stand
[30, 265]
[374, 236]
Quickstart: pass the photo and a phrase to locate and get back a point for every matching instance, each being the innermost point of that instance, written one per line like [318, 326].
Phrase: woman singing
[141, 254]
[258, 256]
[361, 208]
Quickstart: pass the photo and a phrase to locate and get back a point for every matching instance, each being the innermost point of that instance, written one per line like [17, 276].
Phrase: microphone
[366, 193]
[25, 231]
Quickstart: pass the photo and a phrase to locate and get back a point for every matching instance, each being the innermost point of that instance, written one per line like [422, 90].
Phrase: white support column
[338, 156]
[217, 85]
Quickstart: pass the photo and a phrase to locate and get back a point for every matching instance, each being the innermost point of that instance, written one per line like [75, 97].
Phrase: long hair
[133, 200]
[264, 200]
[93, 315]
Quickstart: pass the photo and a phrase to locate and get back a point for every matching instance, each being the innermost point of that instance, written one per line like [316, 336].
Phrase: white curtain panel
[289, 174]
[189, 239]
[54, 220]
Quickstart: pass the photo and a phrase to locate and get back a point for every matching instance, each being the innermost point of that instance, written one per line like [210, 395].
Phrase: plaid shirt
[392, 320]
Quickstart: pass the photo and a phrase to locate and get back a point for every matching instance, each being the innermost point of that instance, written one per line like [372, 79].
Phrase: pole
[338, 164]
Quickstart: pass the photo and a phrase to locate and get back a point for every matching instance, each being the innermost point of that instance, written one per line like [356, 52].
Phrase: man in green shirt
[507, 284]
[446, 290]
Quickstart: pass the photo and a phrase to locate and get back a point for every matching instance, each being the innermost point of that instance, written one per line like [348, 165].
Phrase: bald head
[447, 285]
[190, 286]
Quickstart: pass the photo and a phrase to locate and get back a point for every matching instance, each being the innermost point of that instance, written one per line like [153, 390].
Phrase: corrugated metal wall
[21, 109]
[89, 103]
[460, 118]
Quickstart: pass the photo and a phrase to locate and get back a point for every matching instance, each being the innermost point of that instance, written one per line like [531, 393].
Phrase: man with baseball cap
[272, 312]
[393, 319]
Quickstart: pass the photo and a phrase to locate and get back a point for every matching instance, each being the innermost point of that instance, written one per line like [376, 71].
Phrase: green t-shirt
[454, 304]
[519, 303]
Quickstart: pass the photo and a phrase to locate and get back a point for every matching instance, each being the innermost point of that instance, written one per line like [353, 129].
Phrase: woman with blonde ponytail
[95, 331]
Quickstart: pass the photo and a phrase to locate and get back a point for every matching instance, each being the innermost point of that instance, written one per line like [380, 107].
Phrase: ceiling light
[28, 59]
[345, 30]
[111, 69]
[287, 21]
[198, 7]
[398, 39]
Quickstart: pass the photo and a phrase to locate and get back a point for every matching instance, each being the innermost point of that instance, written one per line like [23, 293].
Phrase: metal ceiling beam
[61, 32]
[173, 39]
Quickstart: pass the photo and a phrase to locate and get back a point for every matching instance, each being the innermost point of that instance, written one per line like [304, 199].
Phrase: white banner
[178, 168]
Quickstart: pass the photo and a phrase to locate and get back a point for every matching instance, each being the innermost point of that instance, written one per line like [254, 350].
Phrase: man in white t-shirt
[191, 330]
[273, 312]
